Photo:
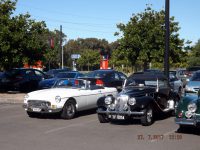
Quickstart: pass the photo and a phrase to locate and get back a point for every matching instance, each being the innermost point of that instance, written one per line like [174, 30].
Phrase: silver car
[192, 86]
[176, 84]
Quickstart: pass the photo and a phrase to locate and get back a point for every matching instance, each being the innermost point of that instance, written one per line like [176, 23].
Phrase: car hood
[48, 94]
[137, 91]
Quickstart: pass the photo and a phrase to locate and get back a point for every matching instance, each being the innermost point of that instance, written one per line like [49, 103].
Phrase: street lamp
[62, 61]
[167, 47]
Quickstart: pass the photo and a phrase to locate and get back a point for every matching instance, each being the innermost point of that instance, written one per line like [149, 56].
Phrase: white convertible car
[65, 99]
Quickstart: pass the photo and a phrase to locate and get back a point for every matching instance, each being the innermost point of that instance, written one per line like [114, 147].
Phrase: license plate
[36, 109]
[120, 117]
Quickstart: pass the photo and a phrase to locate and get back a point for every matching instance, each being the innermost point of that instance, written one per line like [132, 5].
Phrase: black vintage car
[143, 95]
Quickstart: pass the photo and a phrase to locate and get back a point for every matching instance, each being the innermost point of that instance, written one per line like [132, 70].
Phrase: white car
[65, 99]
[176, 84]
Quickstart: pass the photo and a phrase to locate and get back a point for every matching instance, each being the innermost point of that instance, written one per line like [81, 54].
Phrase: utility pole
[167, 33]
[61, 49]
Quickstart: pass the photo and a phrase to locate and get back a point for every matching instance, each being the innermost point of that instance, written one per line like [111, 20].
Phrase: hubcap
[149, 115]
[70, 109]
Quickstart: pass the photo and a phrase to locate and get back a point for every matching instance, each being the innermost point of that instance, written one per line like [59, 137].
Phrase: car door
[115, 81]
[112, 79]
[94, 93]
[32, 79]
[39, 75]
[163, 93]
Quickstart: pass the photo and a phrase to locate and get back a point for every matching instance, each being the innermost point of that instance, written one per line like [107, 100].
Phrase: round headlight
[132, 101]
[188, 114]
[108, 100]
[57, 99]
[192, 107]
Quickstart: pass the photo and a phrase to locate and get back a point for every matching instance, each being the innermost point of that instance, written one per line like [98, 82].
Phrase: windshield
[98, 74]
[66, 75]
[80, 83]
[196, 77]
[143, 82]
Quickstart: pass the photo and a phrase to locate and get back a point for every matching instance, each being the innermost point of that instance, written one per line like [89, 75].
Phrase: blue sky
[98, 18]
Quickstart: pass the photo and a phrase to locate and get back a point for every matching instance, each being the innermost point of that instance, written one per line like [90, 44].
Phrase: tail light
[76, 82]
[99, 82]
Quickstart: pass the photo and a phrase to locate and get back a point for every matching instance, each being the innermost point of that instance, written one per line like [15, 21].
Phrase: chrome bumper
[190, 122]
[41, 109]
[120, 112]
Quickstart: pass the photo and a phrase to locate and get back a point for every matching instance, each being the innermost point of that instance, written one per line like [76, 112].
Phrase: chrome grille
[121, 103]
[35, 103]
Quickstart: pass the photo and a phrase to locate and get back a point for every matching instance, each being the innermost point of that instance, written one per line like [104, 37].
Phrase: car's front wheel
[147, 119]
[103, 118]
[69, 110]
[32, 114]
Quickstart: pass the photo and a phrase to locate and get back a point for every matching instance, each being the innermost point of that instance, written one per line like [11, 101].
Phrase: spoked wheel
[147, 119]
[69, 110]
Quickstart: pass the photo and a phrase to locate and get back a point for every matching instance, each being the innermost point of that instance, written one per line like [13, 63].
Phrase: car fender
[101, 102]
[143, 102]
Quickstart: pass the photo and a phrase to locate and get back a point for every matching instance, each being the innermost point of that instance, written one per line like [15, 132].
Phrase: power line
[74, 23]
[69, 14]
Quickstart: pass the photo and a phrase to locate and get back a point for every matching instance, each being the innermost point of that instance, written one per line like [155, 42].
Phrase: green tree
[194, 59]
[90, 59]
[22, 40]
[52, 56]
[143, 39]
[81, 46]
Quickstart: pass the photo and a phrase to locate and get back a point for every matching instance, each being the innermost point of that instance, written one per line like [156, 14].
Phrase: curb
[12, 98]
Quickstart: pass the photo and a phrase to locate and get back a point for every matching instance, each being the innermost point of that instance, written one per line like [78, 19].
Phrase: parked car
[1, 74]
[182, 75]
[176, 84]
[143, 95]
[193, 85]
[153, 70]
[52, 72]
[190, 70]
[65, 99]
[71, 75]
[21, 79]
[188, 112]
[109, 77]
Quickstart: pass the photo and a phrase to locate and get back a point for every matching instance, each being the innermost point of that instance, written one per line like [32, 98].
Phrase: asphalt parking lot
[18, 132]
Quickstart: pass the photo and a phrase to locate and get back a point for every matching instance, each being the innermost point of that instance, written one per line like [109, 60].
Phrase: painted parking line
[69, 126]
